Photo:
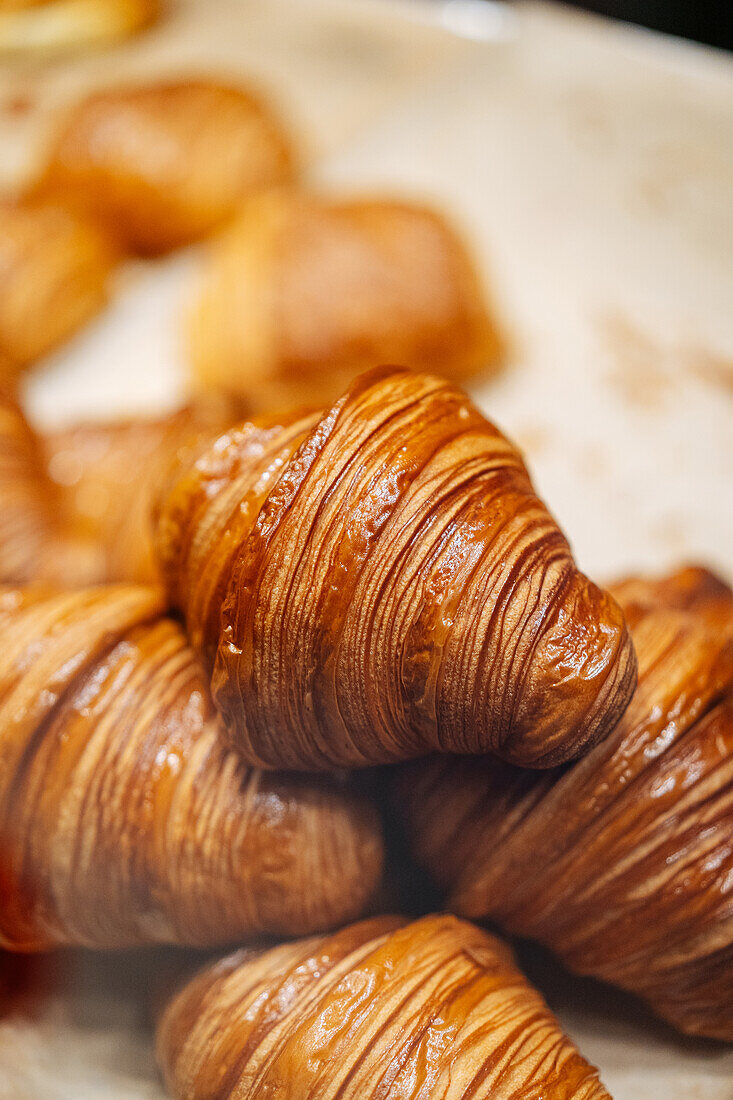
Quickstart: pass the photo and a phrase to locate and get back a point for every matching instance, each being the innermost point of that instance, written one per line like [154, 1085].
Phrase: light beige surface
[593, 167]
[332, 66]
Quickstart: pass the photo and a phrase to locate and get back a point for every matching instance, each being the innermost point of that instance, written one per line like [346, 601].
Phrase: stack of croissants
[238, 639]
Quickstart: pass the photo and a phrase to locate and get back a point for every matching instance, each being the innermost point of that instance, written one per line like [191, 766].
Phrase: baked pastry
[301, 293]
[623, 862]
[123, 820]
[35, 542]
[8, 375]
[32, 27]
[379, 581]
[25, 518]
[109, 473]
[54, 270]
[164, 164]
[76, 504]
[382, 1009]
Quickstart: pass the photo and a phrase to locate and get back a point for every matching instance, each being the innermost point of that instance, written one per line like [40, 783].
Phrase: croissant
[301, 293]
[35, 542]
[383, 1008]
[379, 581]
[39, 27]
[8, 374]
[25, 521]
[108, 475]
[123, 820]
[76, 504]
[167, 163]
[623, 862]
[54, 270]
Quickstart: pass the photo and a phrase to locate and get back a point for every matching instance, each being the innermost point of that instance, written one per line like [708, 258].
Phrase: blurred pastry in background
[36, 544]
[27, 502]
[108, 476]
[39, 27]
[54, 269]
[303, 292]
[76, 504]
[163, 165]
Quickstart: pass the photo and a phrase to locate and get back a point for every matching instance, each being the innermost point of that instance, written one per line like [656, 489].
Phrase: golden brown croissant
[75, 505]
[8, 374]
[54, 268]
[302, 293]
[32, 27]
[35, 542]
[380, 581]
[122, 818]
[165, 164]
[25, 518]
[382, 1009]
[109, 474]
[623, 862]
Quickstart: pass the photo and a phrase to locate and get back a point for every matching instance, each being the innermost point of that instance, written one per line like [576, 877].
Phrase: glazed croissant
[54, 271]
[164, 164]
[302, 293]
[122, 818]
[623, 862]
[382, 1009]
[380, 581]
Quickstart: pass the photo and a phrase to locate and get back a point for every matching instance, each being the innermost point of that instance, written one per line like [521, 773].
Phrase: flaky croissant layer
[123, 820]
[623, 862]
[381, 1009]
[380, 581]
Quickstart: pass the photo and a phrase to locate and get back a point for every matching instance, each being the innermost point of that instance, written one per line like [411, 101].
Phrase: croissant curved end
[381, 1008]
[621, 863]
[380, 581]
[125, 820]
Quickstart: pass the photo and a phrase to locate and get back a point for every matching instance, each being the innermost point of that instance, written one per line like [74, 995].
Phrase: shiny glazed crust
[123, 820]
[383, 1009]
[380, 581]
[623, 862]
